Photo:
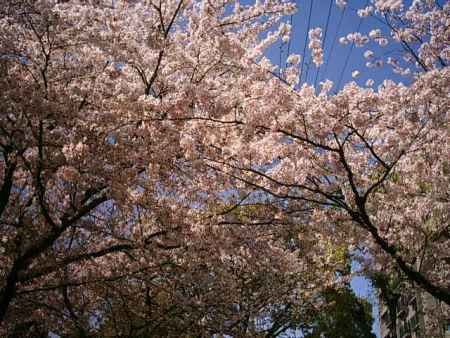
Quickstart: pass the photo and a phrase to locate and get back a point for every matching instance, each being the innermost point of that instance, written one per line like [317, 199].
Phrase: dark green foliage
[343, 316]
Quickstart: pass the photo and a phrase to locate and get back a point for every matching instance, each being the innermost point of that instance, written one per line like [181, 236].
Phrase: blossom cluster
[315, 44]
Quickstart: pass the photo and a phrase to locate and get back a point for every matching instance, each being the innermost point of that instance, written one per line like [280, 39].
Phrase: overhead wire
[290, 38]
[308, 66]
[324, 39]
[333, 44]
[306, 40]
[349, 53]
[288, 49]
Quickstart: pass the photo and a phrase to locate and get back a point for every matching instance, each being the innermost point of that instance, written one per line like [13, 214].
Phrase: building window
[414, 322]
[404, 330]
[403, 307]
[385, 318]
[414, 304]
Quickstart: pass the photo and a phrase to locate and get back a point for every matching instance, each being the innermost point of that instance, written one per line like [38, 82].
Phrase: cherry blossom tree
[365, 167]
[104, 220]
[157, 178]
[103, 223]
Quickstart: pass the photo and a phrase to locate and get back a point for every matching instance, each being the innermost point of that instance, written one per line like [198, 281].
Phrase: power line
[334, 40]
[324, 39]
[290, 39]
[309, 63]
[288, 49]
[350, 52]
[306, 40]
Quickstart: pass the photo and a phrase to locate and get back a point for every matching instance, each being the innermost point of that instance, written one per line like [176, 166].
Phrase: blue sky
[339, 60]
[362, 288]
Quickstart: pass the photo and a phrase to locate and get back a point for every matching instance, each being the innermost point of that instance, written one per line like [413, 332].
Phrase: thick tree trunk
[8, 292]
[392, 308]
[6, 187]
[437, 292]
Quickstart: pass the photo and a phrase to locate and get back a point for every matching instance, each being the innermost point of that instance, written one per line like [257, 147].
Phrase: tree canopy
[160, 176]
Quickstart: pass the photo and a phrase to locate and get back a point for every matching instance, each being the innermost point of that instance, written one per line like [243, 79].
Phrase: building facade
[418, 316]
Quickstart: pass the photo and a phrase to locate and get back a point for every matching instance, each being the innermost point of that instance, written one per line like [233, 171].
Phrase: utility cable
[306, 41]
[324, 39]
[349, 53]
[334, 40]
